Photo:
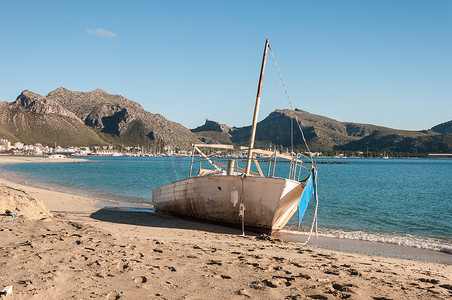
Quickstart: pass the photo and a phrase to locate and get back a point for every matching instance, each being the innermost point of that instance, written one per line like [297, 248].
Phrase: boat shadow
[150, 218]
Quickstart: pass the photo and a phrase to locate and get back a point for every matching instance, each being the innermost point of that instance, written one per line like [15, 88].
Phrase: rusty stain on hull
[269, 202]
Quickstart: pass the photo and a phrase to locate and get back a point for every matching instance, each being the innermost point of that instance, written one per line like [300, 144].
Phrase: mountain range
[71, 118]
[96, 118]
[326, 134]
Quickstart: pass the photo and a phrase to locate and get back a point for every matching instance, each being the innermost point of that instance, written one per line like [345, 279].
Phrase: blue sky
[386, 63]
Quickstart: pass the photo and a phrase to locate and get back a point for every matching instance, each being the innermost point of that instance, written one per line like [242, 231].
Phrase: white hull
[269, 202]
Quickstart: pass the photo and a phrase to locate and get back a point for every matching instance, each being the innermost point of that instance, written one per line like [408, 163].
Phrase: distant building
[84, 151]
[18, 146]
[445, 156]
[5, 145]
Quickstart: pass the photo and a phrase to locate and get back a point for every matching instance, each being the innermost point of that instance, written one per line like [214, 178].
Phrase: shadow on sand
[148, 217]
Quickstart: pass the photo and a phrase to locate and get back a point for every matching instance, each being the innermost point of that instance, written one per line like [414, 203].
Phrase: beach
[65, 246]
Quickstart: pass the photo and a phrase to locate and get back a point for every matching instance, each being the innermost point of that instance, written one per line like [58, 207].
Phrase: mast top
[256, 109]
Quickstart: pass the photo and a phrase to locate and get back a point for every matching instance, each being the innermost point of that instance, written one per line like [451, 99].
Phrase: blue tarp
[305, 197]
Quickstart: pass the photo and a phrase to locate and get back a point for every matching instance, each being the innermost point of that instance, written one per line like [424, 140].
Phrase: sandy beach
[64, 246]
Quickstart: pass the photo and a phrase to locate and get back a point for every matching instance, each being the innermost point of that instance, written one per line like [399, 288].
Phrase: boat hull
[269, 202]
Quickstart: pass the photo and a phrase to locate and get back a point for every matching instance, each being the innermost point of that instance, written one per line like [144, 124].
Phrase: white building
[5, 145]
[18, 146]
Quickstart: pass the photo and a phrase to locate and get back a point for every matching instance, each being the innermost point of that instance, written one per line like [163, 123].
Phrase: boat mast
[256, 111]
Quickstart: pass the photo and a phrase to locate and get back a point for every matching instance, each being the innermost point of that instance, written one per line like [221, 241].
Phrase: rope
[8, 222]
[291, 106]
[291, 135]
[314, 220]
[242, 205]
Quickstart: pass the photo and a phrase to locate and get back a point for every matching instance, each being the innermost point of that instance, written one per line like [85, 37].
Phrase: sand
[77, 249]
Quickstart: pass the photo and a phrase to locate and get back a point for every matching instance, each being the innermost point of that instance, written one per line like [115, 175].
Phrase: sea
[404, 202]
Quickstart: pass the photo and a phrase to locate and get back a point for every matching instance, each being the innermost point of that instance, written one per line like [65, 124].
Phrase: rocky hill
[420, 143]
[18, 123]
[445, 127]
[320, 132]
[324, 134]
[88, 118]
[98, 118]
[213, 126]
[213, 132]
[120, 120]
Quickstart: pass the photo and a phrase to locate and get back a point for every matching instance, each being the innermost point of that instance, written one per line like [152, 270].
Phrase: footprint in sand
[140, 279]
[113, 296]
[331, 272]
[244, 292]
[320, 297]
[427, 280]
[171, 268]
[280, 259]
[214, 262]
[254, 264]
[285, 279]
[343, 287]
[354, 272]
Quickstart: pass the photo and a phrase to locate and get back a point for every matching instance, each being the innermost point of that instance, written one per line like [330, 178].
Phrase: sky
[386, 62]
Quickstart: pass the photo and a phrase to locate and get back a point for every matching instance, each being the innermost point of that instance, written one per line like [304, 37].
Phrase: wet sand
[7, 159]
[79, 250]
[371, 248]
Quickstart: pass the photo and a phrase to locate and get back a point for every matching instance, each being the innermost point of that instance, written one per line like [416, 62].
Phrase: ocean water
[399, 201]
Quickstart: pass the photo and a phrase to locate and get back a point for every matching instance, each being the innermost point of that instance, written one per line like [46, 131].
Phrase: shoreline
[85, 250]
[11, 159]
[372, 248]
[346, 245]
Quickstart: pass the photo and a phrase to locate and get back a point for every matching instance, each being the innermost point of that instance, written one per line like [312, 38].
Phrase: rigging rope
[291, 106]
[314, 220]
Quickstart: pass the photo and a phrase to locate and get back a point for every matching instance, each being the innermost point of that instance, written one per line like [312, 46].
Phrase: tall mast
[256, 111]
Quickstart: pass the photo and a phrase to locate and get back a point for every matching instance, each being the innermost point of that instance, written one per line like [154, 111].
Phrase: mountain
[213, 126]
[445, 127]
[120, 120]
[323, 134]
[88, 118]
[421, 143]
[33, 121]
[320, 132]
[71, 118]
[214, 133]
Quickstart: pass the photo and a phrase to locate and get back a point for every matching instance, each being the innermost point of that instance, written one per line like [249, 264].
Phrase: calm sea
[400, 201]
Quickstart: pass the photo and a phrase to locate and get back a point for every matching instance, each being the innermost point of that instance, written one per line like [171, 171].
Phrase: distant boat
[226, 193]
[57, 156]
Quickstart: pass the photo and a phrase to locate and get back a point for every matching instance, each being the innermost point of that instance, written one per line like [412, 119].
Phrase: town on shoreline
[19, 148]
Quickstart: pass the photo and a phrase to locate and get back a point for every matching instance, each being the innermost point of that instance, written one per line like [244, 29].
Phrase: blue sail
[305, 197]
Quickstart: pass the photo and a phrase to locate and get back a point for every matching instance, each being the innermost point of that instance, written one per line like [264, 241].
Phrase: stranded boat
[227, 190]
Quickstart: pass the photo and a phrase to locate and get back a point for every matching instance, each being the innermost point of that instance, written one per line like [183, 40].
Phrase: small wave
[390, 238]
